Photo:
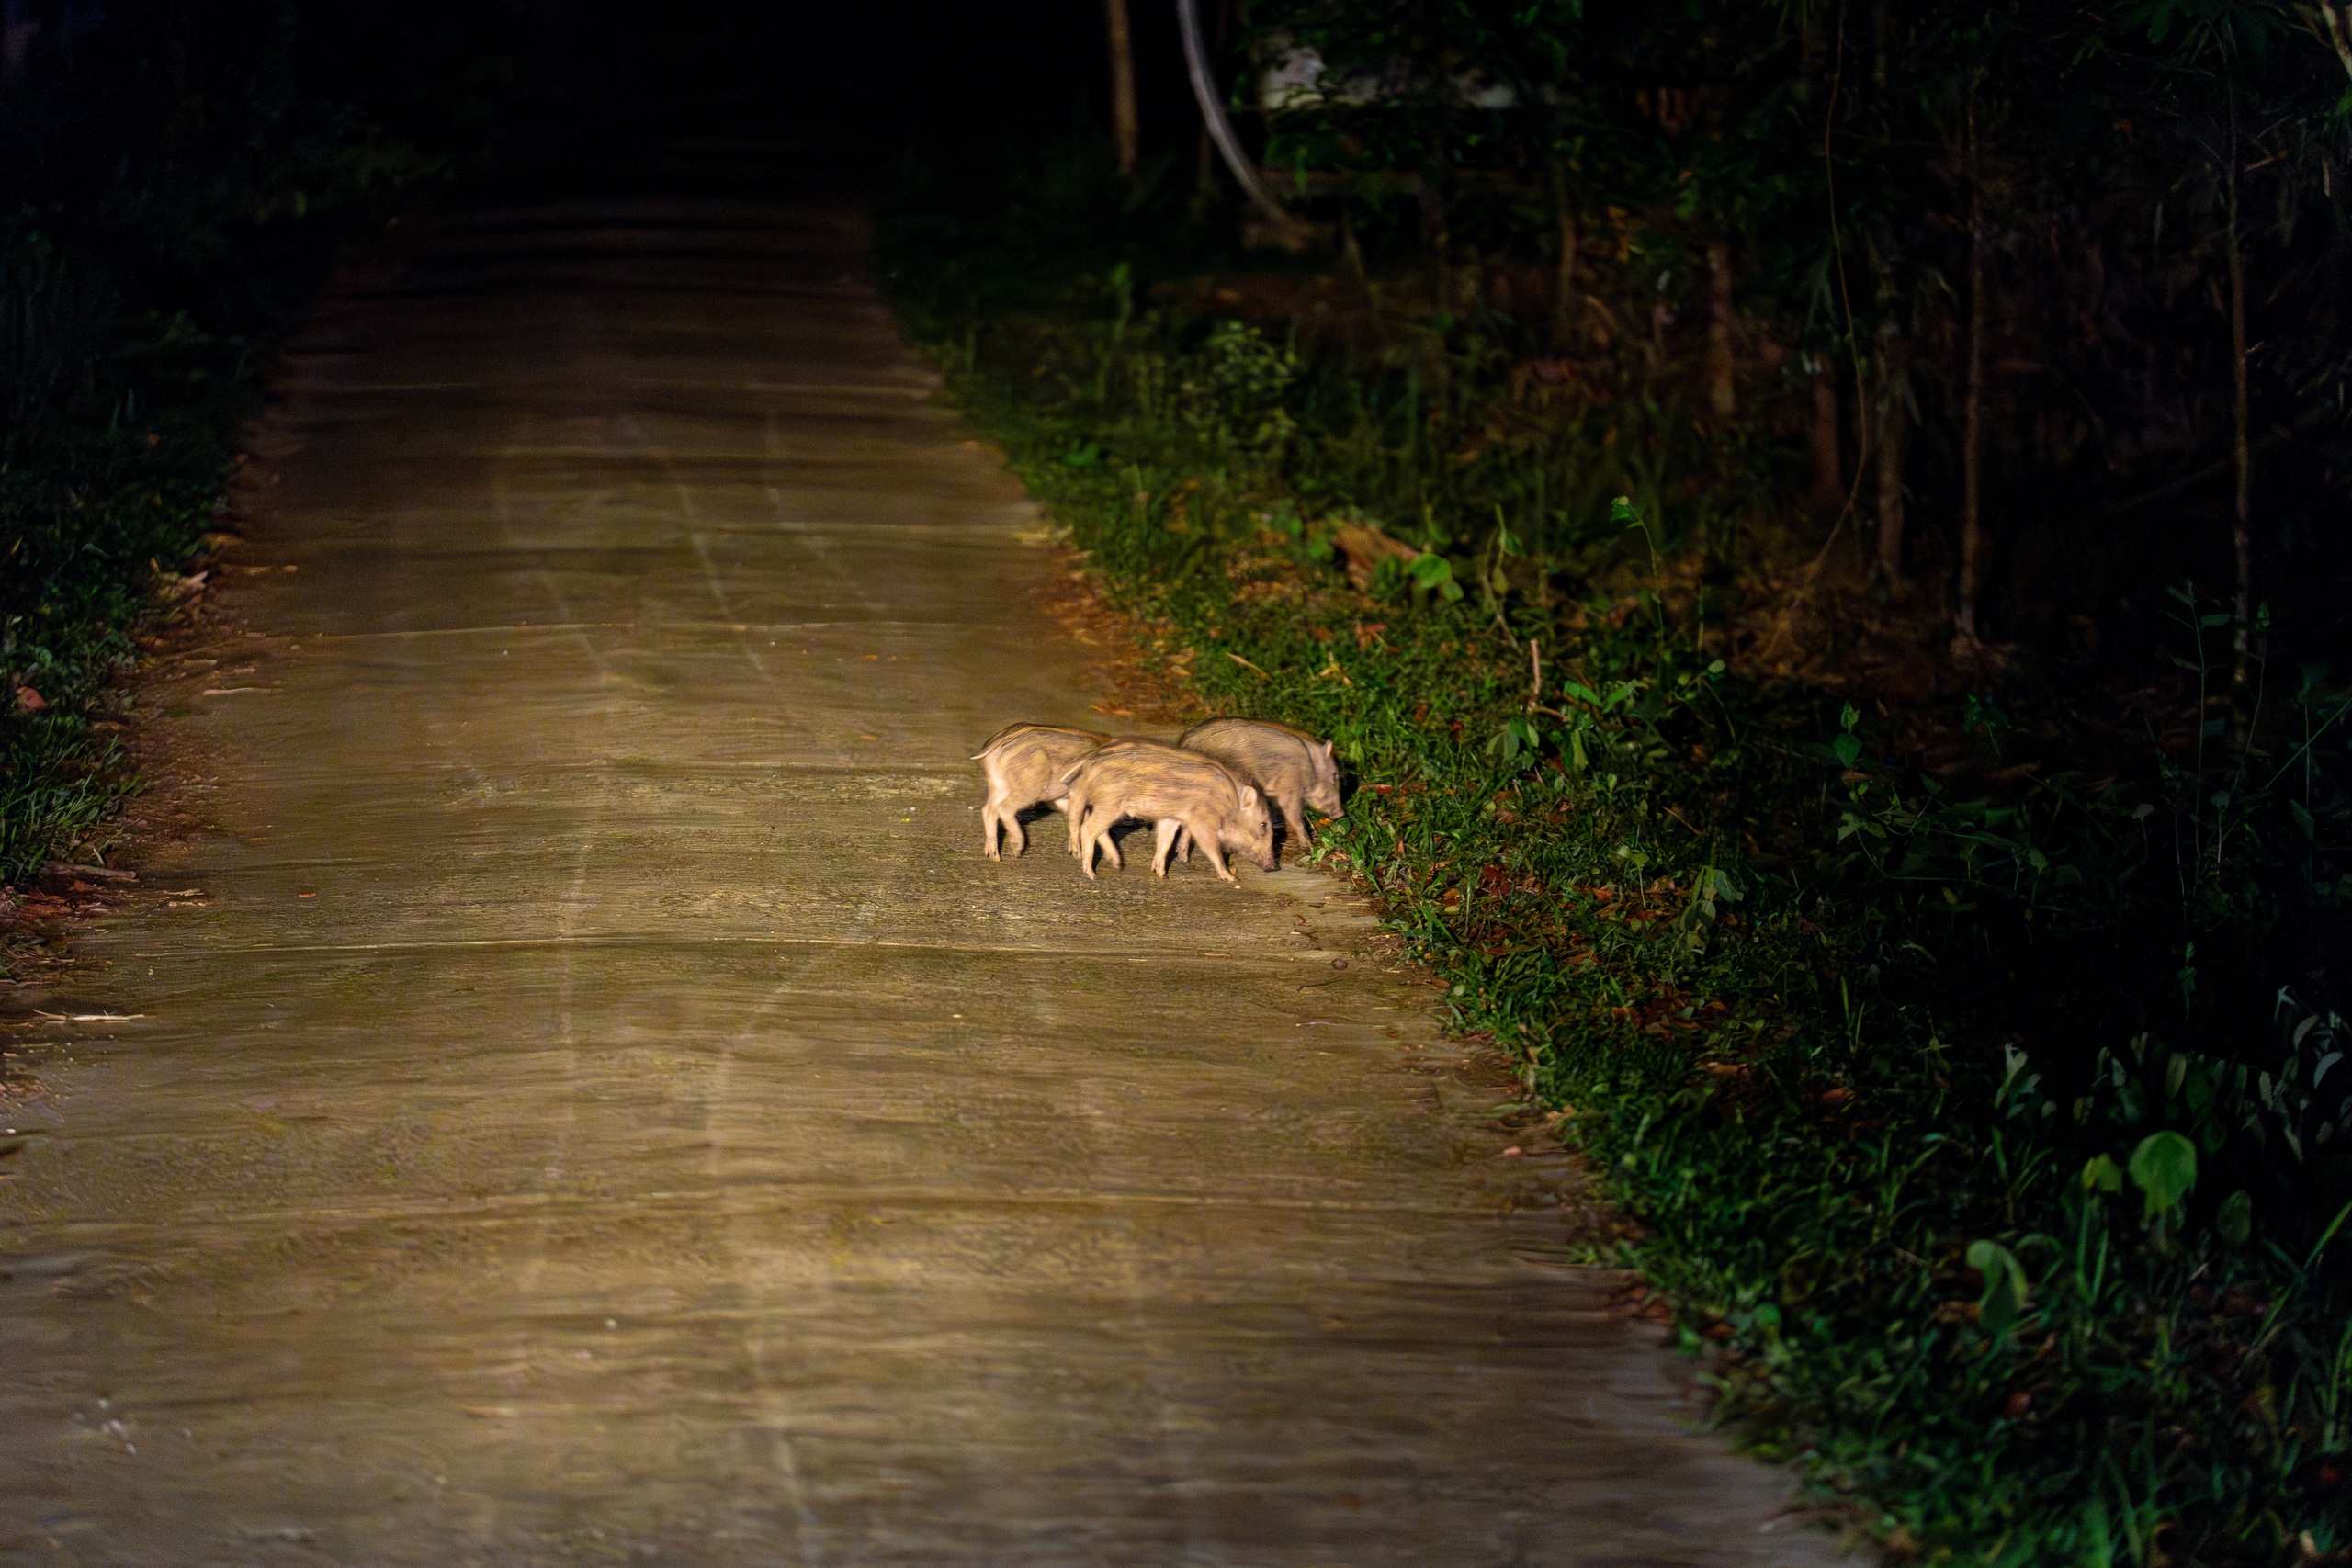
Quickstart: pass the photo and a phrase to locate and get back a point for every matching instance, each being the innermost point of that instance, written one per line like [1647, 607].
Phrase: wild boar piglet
[1024, 764]
[1290, 767]
[1179, 793]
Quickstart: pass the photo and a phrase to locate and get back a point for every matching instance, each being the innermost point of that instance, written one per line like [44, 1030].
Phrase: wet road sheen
[594, 1104]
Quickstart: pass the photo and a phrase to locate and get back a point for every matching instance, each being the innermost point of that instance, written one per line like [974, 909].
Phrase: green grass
[1900, 1084]
[91, 521]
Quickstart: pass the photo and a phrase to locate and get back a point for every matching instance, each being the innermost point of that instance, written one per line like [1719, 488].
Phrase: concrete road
[590, 1102]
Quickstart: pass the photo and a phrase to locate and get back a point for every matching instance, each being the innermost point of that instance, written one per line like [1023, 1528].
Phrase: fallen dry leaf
[1362, 548]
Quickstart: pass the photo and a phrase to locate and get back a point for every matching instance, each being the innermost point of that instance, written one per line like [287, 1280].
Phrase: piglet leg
[1211, 847]
[1166, 834]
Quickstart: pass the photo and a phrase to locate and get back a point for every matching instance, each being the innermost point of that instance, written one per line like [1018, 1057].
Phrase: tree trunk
[1894, 436]
[1723, 390]
[1887, 421]
[1123, 124]
[1436, 237]
[1881, 30]
[1821, 440]
[1972, 424]
[1351, 251]
[1564, 276]
[2240, 450]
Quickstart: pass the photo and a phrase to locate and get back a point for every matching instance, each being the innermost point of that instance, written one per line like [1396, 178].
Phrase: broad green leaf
[2164, 1166]
[2005, 1286]
[2102, 1175]
[1435, 573]
[2235, 1220]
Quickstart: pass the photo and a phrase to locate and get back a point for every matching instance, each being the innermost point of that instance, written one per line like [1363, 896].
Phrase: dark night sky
[895, 68]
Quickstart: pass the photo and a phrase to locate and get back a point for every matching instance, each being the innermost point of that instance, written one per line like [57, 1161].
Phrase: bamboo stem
[1124, 123]
[1722, 387]
[1563, 279]
[1219, 126]
[1893, 439]
[1972, 432]
[1822, 440]
[2241, 446]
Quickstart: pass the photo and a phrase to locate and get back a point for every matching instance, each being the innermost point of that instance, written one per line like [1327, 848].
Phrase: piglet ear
[1248, 795]
[1326, 751]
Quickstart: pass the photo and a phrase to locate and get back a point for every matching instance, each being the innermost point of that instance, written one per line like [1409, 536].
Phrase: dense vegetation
[1939, 965]
[2054, 292]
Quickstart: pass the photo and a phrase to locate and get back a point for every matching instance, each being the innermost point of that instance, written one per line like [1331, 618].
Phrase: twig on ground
[59, 868]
